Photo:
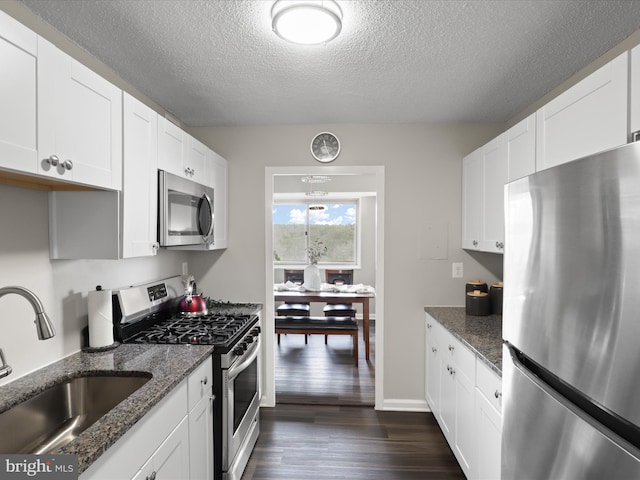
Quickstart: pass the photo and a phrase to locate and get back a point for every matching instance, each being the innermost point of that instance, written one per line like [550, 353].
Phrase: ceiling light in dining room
[306, 22]
[316, 179]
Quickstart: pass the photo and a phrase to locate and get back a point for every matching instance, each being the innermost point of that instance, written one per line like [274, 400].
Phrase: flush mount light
[317, 207]
[316, 193]
[306, 22]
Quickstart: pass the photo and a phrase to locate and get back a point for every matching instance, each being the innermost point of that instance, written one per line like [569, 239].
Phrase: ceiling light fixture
[306, 22]
[316, 179]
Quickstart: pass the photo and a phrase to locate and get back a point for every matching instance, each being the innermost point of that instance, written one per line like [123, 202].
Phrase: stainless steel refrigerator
[571, 321]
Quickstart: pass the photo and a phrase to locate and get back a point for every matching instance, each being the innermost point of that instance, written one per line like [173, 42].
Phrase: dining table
[307, 296]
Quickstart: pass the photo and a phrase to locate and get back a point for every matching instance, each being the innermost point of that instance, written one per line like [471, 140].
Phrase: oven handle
[249, 356]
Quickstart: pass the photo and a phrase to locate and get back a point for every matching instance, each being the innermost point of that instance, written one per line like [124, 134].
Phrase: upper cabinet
[634, 89]
[219, 179]
[18, 57]
[588, 118]
[485, 171]
[181, 154]
[79, 122]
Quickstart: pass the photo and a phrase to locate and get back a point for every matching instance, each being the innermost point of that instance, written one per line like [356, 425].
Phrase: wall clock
[325, 147]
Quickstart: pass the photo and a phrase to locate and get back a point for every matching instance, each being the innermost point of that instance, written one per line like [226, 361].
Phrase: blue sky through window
[334, 214]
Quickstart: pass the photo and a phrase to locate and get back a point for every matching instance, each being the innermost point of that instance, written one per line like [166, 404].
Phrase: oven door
[240, 415]
[186, 211]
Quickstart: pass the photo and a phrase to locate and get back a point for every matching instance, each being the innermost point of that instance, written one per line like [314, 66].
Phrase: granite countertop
[483, 335]
[168, 365]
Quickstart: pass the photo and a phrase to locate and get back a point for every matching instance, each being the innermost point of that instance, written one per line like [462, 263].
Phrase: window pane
[335, 226]
[289, 233]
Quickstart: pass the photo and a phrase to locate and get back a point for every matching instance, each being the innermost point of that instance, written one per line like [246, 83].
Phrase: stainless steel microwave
[185, 211]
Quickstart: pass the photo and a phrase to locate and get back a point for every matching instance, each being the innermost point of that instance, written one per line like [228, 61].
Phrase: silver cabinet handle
[475, 243]
[428, 325]
[451, 347]
[497, 394]
[204, 381]
[67, 164]
[53, 160]
[434, 349]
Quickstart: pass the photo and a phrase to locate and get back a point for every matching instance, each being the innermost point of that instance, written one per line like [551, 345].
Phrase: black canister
[476, 285]
[478, 303]
[495, 293]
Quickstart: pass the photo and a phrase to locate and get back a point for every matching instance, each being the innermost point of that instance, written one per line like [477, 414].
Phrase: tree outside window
[296, 225]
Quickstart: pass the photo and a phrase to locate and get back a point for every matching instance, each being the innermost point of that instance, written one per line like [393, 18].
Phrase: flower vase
[312, 278]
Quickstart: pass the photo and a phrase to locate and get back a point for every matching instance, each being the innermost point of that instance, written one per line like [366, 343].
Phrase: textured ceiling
[217, 62]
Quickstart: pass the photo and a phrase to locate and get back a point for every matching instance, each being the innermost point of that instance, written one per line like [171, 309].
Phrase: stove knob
[240, 349]
[255, 332]
[249, 339]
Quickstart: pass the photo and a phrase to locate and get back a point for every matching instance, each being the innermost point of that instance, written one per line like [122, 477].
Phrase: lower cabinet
[171, 459]
[172, 441]
[465, 396]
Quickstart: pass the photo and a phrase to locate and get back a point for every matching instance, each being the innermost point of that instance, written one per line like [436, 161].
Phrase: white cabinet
[140, 180]
[589, 117]
[174, 440]
[432, 368]
[465, 397]
[181, 154]
[79, 122]
[112, 224]
[171, 459]
[485, 171]
[634, 89]
[472, 193]
[219, 179]
[489, 423]
[18, 57]
[200, 387]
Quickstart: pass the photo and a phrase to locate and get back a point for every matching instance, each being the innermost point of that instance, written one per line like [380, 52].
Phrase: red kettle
[191, 305]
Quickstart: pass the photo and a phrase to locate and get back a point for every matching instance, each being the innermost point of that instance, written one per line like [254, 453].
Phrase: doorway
[346, 182]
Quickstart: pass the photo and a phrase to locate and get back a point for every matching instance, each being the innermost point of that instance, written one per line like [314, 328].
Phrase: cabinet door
[488, 439]
[432, 367]
[465, 439]
[172, 147]
[634, 89]
[521, 148]
[219, 179]
[588, 118]
[201, 438]
[494, 176]
[140, 180]
[79, 122]
[171, 459]
[18, 57]
[196, 161]
[472, 194]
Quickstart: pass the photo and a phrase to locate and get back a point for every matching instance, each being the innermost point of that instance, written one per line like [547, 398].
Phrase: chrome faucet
[43, 323]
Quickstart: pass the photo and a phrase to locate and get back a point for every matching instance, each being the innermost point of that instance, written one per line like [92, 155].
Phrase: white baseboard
[403, 405]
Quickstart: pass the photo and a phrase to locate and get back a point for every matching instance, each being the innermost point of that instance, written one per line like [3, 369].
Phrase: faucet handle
[4, 368]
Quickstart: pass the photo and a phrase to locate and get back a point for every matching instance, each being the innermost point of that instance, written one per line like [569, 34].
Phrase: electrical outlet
[185, 268]
[456, 270]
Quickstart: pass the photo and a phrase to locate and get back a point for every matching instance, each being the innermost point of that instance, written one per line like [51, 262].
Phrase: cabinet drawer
[200, 382]
[490, 384]
[456, 352]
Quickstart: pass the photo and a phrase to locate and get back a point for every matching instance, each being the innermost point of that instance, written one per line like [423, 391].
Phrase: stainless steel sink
[59, 414]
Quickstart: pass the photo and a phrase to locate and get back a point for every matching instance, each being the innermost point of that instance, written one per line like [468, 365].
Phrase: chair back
[294, 276]
[339, 277]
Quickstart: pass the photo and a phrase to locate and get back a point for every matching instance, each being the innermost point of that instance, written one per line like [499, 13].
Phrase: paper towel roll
[100, 318]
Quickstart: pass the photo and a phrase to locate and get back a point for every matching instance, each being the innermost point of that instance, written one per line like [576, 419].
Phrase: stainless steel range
[149, 314]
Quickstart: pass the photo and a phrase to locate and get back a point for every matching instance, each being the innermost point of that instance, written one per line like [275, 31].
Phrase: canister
[479, 285]
[495, 293]
[478, 303]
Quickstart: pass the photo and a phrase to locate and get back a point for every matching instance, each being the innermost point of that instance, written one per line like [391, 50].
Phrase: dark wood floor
[318, 442]
[324, 425]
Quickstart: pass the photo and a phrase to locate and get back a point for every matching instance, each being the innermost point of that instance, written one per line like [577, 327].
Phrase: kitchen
[422, 164]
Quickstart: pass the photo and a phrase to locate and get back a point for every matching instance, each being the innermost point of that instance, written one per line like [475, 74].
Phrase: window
[296, 225]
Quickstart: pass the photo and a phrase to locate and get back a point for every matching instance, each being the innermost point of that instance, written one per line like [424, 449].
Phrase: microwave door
[205, 218]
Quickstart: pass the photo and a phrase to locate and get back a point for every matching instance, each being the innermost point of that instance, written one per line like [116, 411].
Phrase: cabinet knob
[204, 381]
[497, 394]
[53, 160]
[451, 347]
[428, 325]
[67, 164]
[434, 349]
[475, 243]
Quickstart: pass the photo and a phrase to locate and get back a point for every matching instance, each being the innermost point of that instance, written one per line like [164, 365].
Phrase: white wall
[423, 166]
[61, 285]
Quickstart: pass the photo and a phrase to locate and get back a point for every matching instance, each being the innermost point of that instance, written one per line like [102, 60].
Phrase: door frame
[268, 350]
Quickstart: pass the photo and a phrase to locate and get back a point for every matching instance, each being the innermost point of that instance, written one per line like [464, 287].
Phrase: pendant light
[306, 22]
